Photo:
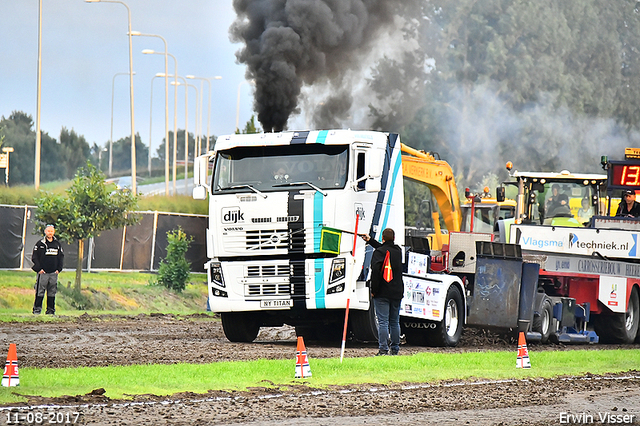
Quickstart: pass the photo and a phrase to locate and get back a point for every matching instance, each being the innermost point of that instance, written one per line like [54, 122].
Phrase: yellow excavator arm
[436, 174]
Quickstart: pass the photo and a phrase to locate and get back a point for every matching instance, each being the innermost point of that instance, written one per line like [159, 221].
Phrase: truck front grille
[268, 289]
[267, 239]
[258, 271]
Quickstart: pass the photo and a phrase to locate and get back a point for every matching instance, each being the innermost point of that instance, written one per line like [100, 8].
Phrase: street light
[238, 103]
[208, 80]
[175, 121]
[6, 150]
[133, 131]
[36, 177]
[100, 157]
[166, 110]
[196, 132]
[186, 129]
[113, 81]
[166, 174]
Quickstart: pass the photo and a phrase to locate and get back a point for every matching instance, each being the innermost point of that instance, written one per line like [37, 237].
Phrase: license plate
[275, 304]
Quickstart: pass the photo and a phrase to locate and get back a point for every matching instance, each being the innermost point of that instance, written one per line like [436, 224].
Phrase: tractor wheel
[543, 323]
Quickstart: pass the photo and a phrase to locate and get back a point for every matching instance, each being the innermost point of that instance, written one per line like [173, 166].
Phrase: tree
[250, 127]
[548, 85]
[180, 145]
[89, 207]
[18, 132]
[174, 269]
[75, 151]
[122, 154]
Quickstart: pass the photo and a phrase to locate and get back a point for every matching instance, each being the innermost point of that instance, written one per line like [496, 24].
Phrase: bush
[174, 269]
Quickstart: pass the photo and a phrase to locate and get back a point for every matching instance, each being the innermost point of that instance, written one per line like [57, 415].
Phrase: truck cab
[284, 209]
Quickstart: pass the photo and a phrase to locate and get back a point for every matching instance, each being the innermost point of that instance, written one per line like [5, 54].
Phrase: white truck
[284, 210]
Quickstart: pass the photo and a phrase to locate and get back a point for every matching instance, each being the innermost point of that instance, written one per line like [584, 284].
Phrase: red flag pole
[348, 288]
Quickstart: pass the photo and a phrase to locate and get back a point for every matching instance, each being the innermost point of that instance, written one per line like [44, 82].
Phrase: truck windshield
[570, 202]
[267, 168]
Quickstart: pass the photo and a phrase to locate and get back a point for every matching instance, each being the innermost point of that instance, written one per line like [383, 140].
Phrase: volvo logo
[425, 325]
[274, 238]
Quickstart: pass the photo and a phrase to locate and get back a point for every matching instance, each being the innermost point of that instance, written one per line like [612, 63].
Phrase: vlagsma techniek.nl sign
[580, 241]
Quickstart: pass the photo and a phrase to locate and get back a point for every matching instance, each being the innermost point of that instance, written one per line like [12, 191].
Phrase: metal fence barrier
[140, 247]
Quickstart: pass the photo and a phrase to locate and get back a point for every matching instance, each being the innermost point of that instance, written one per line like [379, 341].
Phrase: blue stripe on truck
[322, 136]
[394, 176]
[319, 280]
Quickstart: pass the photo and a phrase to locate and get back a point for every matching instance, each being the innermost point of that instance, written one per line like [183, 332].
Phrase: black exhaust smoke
[291, 43]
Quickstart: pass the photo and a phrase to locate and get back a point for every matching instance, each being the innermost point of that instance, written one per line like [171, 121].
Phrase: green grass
[103, 293]
[121, 381]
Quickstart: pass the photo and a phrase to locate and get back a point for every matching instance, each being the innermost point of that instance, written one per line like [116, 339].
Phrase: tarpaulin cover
[192, 225]
[107, 250]
[12, 222]
[138, 243]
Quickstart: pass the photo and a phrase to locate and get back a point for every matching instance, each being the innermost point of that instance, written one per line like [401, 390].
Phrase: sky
[84, 46]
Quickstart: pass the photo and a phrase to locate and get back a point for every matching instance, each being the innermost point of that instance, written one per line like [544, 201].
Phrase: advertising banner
[579, 241]
[423, 298]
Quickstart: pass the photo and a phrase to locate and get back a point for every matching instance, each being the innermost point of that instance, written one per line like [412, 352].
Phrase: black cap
[628, 192]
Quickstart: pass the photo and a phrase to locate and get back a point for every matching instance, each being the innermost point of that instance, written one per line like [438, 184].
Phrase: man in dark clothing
[628, 207]
[47, 261]
[387, 290]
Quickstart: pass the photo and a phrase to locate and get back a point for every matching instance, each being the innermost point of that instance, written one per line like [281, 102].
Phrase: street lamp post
[186, 129]
[36, 177]
[113, 81]
[7, 150]
[166, 174]
[175, 117]
[208, 80]
[238, 103]
[100, 157]
[166, 110]
[133, 131]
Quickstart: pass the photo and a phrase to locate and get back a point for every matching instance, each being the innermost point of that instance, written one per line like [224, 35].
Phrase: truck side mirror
[373, 185]
[375, 159]
[199, 193]
[200, 166]
[500, 197]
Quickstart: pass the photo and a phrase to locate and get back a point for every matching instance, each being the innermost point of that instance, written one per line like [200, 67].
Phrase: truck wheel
[240, 326]
[620, 328]
[364, 324]
[449, 330]
[543, 323]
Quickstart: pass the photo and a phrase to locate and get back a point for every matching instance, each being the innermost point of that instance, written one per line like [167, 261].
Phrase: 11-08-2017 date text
[49, 417]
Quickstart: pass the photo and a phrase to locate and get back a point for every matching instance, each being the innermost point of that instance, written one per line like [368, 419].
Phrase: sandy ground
[105, 340]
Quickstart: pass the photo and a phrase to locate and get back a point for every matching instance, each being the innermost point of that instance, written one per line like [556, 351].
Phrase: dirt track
[101, 341]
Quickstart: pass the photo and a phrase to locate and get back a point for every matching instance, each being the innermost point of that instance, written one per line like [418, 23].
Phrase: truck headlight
[216, 274]
[336, 289]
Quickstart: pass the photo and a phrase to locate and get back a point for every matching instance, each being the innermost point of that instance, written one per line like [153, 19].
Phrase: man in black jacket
[47, 261]
[387, 290]
[628, 207]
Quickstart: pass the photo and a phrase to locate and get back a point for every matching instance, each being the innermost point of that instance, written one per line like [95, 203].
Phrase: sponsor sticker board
[423, 299]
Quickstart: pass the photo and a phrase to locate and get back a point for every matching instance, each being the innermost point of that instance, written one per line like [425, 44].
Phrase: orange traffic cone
[302, 363]
[10, 377]
[523, 352]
